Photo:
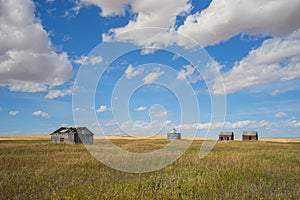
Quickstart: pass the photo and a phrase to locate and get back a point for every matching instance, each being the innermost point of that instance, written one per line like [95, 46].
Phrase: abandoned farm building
[250, 135]
[226, 136]
[174, 135]
[79, 135]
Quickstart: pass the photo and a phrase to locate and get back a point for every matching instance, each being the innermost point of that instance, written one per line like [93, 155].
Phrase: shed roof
[249, 133]
[72, 130]
[226, 133]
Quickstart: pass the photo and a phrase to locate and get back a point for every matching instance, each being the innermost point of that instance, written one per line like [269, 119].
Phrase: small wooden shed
[226, 136]
[174, 135]
[79, 135]
[250, 135]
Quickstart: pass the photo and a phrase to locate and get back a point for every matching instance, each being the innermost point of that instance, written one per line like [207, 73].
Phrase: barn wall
[224, 137]
[70, 138]
[54, 138]
[86, 138]
[247, 137]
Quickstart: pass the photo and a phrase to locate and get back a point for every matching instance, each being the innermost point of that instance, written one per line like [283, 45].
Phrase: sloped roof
[250, 133]
[72, 130]
[226, 133]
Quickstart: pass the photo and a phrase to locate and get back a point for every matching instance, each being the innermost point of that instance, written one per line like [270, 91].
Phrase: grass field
[38, 169]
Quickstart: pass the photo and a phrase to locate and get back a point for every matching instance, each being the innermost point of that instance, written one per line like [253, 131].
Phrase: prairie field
[39, 169]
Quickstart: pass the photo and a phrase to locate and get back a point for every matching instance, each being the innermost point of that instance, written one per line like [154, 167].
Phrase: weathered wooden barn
[250, 135]
[79, 135]
[174, 135]
[226, 136]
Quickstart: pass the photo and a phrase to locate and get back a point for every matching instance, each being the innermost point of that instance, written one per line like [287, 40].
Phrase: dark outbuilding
[247, 135]
[79, 135]
[226, 136]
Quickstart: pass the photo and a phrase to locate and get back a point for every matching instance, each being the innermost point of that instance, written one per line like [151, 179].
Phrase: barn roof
[249, 133]
[226, 133]
[72, 130]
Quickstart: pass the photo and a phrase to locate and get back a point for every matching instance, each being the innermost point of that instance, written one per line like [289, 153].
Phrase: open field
[38, 169]
[112, 137]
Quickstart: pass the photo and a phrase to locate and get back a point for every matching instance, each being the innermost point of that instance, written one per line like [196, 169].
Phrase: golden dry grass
[39, 169]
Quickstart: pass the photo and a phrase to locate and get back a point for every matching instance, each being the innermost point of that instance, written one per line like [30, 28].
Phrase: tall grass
[233, 170]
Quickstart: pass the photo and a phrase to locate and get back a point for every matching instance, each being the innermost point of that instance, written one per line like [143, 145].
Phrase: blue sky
[45, 47]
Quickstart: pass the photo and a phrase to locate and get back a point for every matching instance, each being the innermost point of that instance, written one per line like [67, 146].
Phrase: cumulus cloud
[14, 112]
[142, 127]
[148, 14]
[277, 59]
[28, 62]
[109, 8]
[131, 72]
[85, 60]
[102, 109]
[52, 94]
[159, 114]
[151, 77]
[219, 22]
[139, 126]
[294, 123]
[280, 114]
[141, 108]
[224, 19]
[227, 125]
[41, 114]
[187, 73]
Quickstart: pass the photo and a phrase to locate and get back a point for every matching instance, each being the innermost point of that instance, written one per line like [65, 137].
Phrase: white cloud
[148, 14]
[151, 77]
[109, 8]
[96, 60]
[159, 114]
[41, 113]
[14, 112]
[187, 71]
[277, 59]
[224, 19]
[131, 72]
[250, 124]
[219, 22]
[102, 108]
[22, 86]
[138, 127]
[28, 62]
[293, 123]
[275, 92]
[280, 114]
[85, 60]
[141, 108]
[52, 94]
[142, 127]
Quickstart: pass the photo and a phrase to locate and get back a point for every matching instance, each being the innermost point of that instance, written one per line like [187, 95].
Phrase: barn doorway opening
[227, 138]
[62, 139]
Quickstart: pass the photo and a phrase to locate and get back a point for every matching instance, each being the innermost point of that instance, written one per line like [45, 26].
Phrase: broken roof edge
[71, 128]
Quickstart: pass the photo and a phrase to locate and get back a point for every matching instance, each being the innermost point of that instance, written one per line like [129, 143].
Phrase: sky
[144, 67]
